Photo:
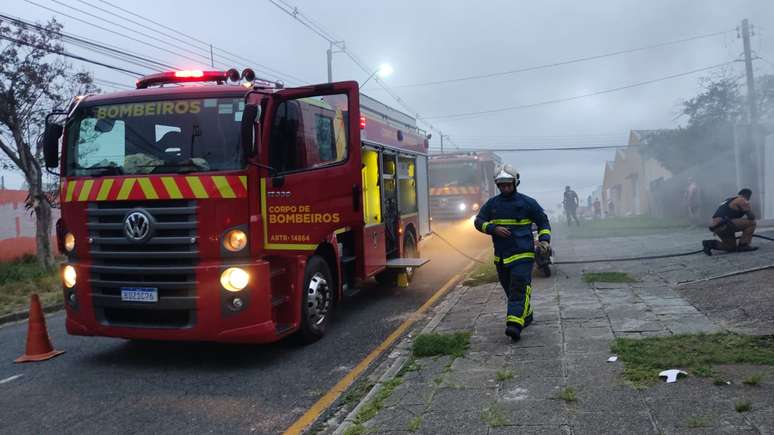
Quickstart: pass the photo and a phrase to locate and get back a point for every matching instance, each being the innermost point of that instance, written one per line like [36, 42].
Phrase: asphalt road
[111, 385]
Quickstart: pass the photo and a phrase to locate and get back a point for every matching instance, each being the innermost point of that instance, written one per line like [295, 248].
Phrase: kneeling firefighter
[508, 218]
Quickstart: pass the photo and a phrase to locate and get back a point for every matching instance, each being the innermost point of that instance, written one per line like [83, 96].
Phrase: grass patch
[704, 371]
[624, 227]
[753, 380]
[356, 394]
[743, 406]
[415, 423]
[454, 344]
[493, 416]
[695, 422]
[591, 277]
[504, 375]
[645, 358]
[355, 429]
[20, 278]
[373, 407]
[483, 274]
[568, 395]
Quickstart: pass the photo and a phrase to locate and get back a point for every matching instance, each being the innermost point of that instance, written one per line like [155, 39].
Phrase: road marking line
[12, 378]
[327, 400]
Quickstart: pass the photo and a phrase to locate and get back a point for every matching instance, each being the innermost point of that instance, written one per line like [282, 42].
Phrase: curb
[441, 310]
[23, 315]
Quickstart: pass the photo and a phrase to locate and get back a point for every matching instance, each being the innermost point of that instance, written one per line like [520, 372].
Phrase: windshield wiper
[101, 170]
[190, 164]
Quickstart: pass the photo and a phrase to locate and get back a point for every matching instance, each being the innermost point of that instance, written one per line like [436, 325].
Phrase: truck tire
[316, 299]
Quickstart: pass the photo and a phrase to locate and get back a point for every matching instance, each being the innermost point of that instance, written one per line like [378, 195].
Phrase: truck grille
[167, 261]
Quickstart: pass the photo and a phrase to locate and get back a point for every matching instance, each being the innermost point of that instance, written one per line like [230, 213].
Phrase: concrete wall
[17, 225]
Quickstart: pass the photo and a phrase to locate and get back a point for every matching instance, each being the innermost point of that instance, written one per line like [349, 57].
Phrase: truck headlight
[68, 276]
[234, 279]
[235, 240]
[69, 242]
[462, 206]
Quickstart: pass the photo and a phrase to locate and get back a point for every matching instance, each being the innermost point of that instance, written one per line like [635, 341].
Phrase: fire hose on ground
[601, 260]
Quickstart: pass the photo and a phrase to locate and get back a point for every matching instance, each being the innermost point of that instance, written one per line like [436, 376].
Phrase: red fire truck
[212, 206]
[461, 183]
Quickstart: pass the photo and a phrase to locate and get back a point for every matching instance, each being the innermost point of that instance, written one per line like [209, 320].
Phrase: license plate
[139, 294]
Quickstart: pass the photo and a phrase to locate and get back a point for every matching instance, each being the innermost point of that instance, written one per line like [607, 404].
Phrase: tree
[34, 79]
[709, 130]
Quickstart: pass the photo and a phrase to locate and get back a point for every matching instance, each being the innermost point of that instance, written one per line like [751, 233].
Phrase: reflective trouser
[516, 279]
[727, 233]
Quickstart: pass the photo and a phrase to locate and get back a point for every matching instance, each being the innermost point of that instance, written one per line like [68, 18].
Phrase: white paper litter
[671, 375]
[613, 358]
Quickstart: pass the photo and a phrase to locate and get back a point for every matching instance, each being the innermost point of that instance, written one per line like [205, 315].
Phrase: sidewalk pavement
[500, 387]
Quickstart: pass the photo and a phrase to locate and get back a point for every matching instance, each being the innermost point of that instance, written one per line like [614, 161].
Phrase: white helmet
[506, 174]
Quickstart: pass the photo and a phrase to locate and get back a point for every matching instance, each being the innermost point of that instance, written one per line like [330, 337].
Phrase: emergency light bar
[190, 76]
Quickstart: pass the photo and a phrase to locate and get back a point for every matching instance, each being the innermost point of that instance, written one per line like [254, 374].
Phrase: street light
[383, 71]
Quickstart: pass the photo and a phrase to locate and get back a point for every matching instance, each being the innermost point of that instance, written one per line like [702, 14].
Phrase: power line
[296, 14]
[516, 150]
[205, 57]
[564, 62]
[70, 55]
[103, 49]
[576, 97]
[111, 31]
[253, 64]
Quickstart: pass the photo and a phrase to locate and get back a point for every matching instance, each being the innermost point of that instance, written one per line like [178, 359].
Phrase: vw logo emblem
[137, 226]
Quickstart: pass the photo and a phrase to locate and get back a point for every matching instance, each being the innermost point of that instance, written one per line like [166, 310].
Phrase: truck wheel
[410, 251]
[316, 300]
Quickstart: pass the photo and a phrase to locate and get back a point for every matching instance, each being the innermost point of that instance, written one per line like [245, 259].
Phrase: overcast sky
[429, 41]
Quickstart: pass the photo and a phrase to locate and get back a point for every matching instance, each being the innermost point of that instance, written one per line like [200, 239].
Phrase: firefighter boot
[513, 330]
[744, 247]
[528, 320]
[708, 245]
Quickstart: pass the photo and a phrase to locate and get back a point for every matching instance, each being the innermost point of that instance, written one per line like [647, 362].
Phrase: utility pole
[749, 69]
[442, 135]
[212, 58]
[329, 54]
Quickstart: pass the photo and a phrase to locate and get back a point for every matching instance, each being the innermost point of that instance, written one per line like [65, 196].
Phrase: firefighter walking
[508, 218]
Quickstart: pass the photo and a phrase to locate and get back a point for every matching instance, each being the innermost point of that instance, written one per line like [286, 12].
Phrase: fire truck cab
[232, 212]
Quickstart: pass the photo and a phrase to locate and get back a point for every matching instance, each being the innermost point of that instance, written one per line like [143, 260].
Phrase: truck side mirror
[51, 137]
[249, 117]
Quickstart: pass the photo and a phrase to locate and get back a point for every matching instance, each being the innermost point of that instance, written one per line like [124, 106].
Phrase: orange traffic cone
[38, 345]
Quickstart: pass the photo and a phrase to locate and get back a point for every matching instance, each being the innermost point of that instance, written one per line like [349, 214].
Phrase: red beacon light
[189, 73]
[187, 76]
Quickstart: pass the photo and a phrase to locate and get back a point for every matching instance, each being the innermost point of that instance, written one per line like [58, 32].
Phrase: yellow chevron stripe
[172, 190]
[104, 190]
[243, 180]
[148, 189]
[85, 190]
[196, 187]
[223, 187]
[126, 189]
[70, 189]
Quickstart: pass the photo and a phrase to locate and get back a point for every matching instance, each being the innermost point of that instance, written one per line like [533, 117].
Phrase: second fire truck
[461, 183]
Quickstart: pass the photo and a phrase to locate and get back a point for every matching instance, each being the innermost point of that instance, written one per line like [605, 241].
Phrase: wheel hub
[318, 299]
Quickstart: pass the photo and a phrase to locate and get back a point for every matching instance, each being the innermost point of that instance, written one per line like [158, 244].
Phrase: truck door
[313, 146]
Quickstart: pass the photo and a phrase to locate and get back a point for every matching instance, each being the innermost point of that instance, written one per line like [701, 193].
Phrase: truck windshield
[167, 136]
[454, 174]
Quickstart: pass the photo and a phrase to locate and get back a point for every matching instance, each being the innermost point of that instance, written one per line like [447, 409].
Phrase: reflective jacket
[517, 213]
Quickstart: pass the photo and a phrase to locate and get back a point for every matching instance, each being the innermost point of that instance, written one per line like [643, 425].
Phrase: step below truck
[213, 206]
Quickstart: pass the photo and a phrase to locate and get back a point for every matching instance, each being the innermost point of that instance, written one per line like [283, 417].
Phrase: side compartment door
[313, 147]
